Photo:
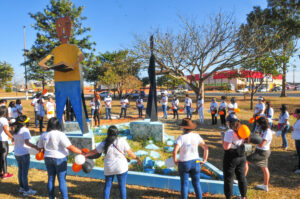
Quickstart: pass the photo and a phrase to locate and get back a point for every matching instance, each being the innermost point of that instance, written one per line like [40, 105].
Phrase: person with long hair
[234, 160]
[200, 108]
[189, 163]
[269, 113]
[12, 110]
[262, 152]
[115, 161]
[222, 112]
[296, 137]
[50, 107]
[21, 137]
[56, 146]
[19, 107]
[284, 125]
[4, 135]
[175, 106]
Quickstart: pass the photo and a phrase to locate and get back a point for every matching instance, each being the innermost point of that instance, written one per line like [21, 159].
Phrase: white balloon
[170, 162]
[79, 159]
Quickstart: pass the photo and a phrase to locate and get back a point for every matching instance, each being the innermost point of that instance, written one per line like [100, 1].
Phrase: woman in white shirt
[233, 105]
[50, 106]
[200, 106]
[4, 135]
[213, 110]
[21, 137]
[189, 163]
[175, 105]
[222, 112]
[56, 146]
[284, 125]
[258, 111]
[262, 152]
[12, 110]
[124, 102]
[115, 161]
[269, 113]
[296, 137]
[234, 160]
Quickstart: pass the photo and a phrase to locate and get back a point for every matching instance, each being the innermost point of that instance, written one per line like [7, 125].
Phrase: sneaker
[263, 187]
[21, 190]
[297, 171]
[29, 192]
[7, 175]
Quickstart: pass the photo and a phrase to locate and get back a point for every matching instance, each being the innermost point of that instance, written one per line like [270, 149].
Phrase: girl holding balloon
[262, 152]
[56, 146]
[21, 137]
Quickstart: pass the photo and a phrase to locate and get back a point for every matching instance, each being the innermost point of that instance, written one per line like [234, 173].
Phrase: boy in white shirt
[258, 111]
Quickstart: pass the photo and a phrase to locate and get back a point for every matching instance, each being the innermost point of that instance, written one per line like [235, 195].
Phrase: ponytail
[112, 134]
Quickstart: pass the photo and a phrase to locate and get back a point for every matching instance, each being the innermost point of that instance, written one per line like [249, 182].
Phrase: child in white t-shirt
[50, 106]
[213, 110]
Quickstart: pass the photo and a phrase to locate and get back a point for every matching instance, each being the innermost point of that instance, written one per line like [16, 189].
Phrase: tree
[6, 73]
[169, 81]
[46, 38]
[145, 81]
[203, 49]
[109, 78]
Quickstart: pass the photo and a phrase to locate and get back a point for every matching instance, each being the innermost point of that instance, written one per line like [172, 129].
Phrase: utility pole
[26, 88]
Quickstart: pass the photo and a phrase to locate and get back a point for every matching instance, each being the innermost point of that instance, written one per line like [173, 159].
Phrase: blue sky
[113, 22]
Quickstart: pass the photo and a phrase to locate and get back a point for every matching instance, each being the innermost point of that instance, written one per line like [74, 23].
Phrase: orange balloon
[251, 120]
[237, 110]
[172, 107]
[85, 150]
[39, 156]
[181, 110]
[221, 112]
[76, 167]
[257, 117]
[244, 131]
[213, 112]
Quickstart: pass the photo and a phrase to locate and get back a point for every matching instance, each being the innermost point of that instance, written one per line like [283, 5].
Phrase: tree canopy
[6, 73]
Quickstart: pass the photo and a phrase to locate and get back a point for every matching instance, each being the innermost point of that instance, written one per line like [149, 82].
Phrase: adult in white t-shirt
[4, 135]
[258, 111]
[50, 106]
[213, 110]
[115, 161]
[200, 107]
[188, 106]
[140, 105]
[108, 102]
[222, 112]
[175, 105]
[232, 105]
[19, 107]
[12, 110]
[269, 113]
[164, 104]
[21, 137]
[189, 163]
[262, 152]
[124, 102]
[35, 104]
[284, 125]
[56, 147]
[296, 137]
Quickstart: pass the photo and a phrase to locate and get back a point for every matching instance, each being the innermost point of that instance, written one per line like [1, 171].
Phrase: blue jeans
[164, 108]
[123, 110]
[108, 113]
[186, 169]
[297, 143]
[188, 112]
[283, 135]
[121, 183]
[23, 167]
[35, 119]
[140, 112]
[57, 166]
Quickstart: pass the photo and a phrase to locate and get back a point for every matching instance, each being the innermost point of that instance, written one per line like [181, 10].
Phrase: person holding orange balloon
[258, 111]
[213, 110]
[56, 146]
[232, 106]
[50, 106]
[234, 157]
[222, 112]
[262, 152]
[21, 137]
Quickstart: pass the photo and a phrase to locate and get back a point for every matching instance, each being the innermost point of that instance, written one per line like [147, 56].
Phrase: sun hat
[187, 123]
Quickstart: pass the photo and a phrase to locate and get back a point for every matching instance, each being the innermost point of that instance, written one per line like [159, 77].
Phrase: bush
[8, 89]
[221, 88]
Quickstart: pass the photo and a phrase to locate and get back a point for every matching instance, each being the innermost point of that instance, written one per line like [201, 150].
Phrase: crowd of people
[55, 145]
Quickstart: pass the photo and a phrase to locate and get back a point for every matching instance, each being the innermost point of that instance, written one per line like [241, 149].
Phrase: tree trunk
[284, 68]
[251, 100]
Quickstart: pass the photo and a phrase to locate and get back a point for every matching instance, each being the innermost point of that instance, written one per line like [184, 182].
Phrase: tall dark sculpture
[151, 110]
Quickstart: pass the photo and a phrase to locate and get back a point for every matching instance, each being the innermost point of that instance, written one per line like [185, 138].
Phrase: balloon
[172, 108]
[244, 131]
[237, 110]
[39, 156]
[79, 159]
[76, 167]
[213, 112]
[88, 166]
[257, 117]
[181, 110]
[50, 112]
[221, 112]
[255, 139]
[251, 120]
[86, 150]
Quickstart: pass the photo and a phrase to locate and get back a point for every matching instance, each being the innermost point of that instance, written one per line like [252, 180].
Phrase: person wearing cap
[164, 104]
[175, 105]
[296, 137]
[107, 102]
[222, 109]
[4, 135]
[200, 105]
[262, 152]
[189, 162]
[213, 110]
[188, 106]
[258, 111]
[284, 125]
[269, 113]
[232, 105]
[234, 160]
[22, 136]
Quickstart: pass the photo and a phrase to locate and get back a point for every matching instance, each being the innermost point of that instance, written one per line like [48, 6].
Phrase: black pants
[213, 119]
[175, 112]
[222, 117]
[3, 156]
[233, 164]
[97, 117]
[41, 119]
[123, 110]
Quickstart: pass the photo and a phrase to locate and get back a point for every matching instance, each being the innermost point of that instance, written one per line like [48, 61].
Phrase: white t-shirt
[107, 101]
[50, 106]
[19, 108]
[175, 104]
[92, 104]
[124, 103]
[3, 122]
[284, 117]
[114, 161]
[232, 106]
[231, 137]
[266, 135]
[223, 106]
[213, 106]
[13, 112]
[188, 146]
[259, 107]
[140, 102]
[270, 115]
[188, 102]
[164, 100]
[296, 132]
[35, 103]
[20, 137]
[200, 104]
[55, 144]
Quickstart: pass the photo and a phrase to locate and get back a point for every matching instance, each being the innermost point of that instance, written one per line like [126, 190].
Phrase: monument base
[145, 129]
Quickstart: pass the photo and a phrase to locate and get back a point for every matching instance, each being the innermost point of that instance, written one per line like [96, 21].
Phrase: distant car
[103, 94]
[297, 88]
[290, 87]
[242, 90]
[30, 91]
[263, 89]
[136, 94]
[179, 91]
[166, 92]
[21, 90]
[277, 88]
[47, 95]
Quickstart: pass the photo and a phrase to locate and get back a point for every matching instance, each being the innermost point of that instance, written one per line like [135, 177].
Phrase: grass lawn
[283, 182]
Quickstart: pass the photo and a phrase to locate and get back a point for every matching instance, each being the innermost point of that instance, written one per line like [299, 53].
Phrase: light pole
[26, 88]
